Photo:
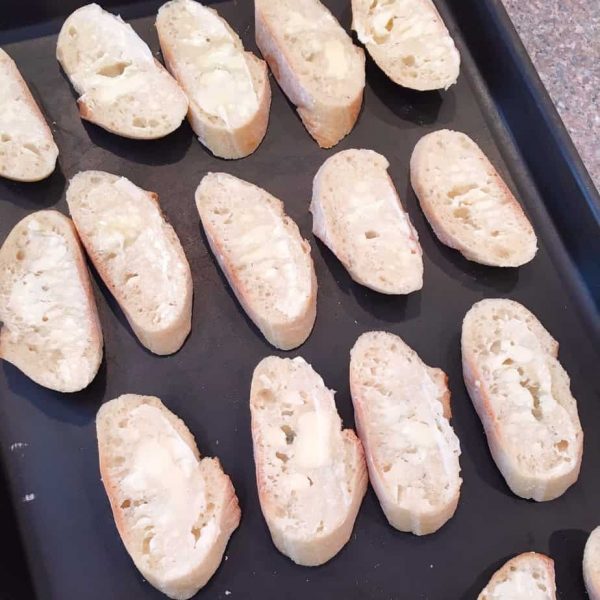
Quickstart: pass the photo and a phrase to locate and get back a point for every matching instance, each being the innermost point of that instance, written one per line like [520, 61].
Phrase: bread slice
[402, 413]
[528, 576]
[316, 64]
[357, 213]
[27, 148]
[467, 203]
[409, 42]
[263, 256]
[591, 565]
[174, 511]
[310, 473]
[137, 254]
[228, 89]
[50, 328]
[122, 87]
[522, 396]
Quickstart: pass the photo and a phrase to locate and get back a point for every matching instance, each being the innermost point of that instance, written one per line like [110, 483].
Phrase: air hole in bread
[5, 137]
[461, 190]
[147, 539]
[562, 446]
[114, 70]
[282, 456]
[139, 122]
[72, 31]
[196, 533]
[20, 255]
[290, 434]
[33, 149]
[126, 503]
[371, 234]
[409, 60]
[387, 468]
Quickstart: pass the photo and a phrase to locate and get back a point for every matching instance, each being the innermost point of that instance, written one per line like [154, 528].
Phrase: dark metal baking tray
[70, 542]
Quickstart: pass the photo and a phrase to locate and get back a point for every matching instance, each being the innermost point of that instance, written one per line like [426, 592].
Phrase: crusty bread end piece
[27, 148]
[591, 565]
[137, 254]
[523, 398]
[228, 88]
[50, 328]
[402, 412]
[528, 576]
[315, 62]
[409, 42]
[122, 87]
[358, 214]
[466, 202]
[310, 473]
[262, 254]
[174, 511]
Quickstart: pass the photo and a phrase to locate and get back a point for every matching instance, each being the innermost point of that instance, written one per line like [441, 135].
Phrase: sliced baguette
[174, 511]
[137, 254]
[310, 473]
[522, 396]
[358, 214]
[591, 565]
[228, 89]
[122, 87]
[402, 413]
[409, 42]
[528, 576]
[27, 148]
[263, 256]
[466, 202]
[49, 322]
[316, 64]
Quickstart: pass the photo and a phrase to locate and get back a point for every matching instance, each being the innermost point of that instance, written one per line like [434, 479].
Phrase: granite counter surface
[563, 39]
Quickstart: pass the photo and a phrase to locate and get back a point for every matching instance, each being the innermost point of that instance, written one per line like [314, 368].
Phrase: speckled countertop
[563, 40]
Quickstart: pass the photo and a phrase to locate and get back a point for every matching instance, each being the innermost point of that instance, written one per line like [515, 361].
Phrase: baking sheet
[47, 440]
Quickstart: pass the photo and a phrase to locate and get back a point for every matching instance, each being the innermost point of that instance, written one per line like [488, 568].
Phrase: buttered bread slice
[402, 413]
[310, 473]
[315, 62]
[523, 398]
[409, 42]
[49, 326]
[228, 88]
[137, 254]
[122, 87]
[27, 148]
[263, 256]
[466, 202]
[528, 576]
[174, 511]
[357, 213]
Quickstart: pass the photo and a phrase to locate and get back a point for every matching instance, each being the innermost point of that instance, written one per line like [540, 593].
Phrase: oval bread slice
[228, 88]
[591, 565]
[357, 213]
[466, 202]
[263, 256]
[402, 413]
[310, 473]
[409, 42]
[122, 87]
[174, 511]
[528, 576]
[137, 254]
[523, 398]
[27, 148]
[316, 64]
[49, 322]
